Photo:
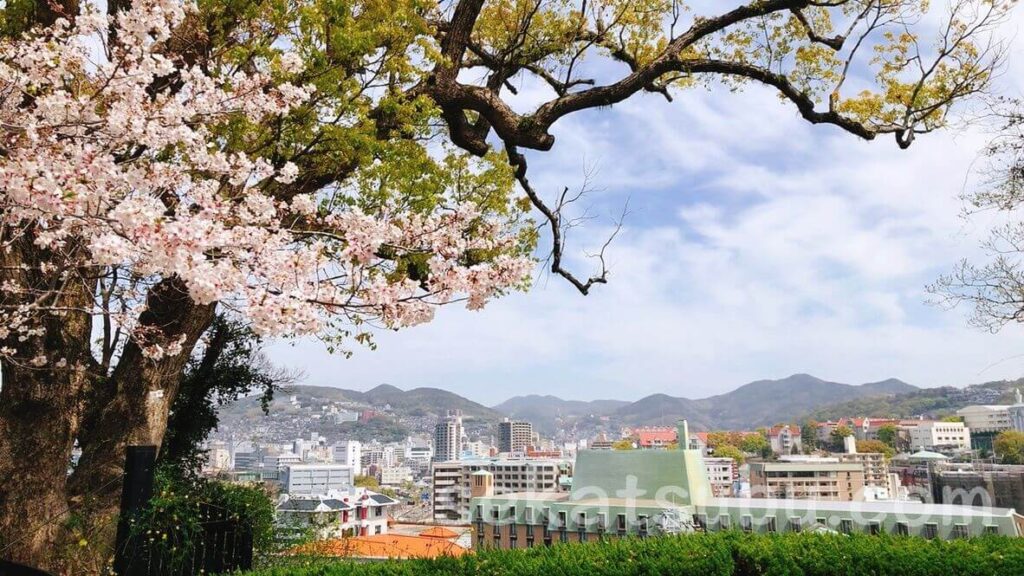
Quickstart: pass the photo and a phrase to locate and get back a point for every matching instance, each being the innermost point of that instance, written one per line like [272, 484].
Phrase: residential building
[395, 475]
[878, 482]
[279, 461]
[935, 435]
[785, 439]
[986, 417]
[448, 437]
[674, 496]
[351, 512]
[475, 449]
[722, 474]
[654, 436]
[349, 453]
[315, 479]
[451, 487]
[514, 436]
[867, 428]
[807, 479]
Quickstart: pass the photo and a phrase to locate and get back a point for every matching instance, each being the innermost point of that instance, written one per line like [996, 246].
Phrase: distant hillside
[401, 412]
[546, 413]
[927, 402]
[759, 403]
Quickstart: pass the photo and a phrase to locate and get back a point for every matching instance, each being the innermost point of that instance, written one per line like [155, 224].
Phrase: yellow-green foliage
[718, 554]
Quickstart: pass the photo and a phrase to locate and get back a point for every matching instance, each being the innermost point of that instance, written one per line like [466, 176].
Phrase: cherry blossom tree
[326, 167]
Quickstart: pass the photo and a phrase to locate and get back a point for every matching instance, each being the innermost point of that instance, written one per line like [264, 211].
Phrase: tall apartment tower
[448, 437]
[349, 453]
[514, 436]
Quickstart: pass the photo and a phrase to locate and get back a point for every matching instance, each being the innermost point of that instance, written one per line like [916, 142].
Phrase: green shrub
[720, 554]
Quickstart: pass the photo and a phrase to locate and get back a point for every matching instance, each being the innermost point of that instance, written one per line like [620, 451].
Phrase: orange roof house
[439, 532]
[382, 546]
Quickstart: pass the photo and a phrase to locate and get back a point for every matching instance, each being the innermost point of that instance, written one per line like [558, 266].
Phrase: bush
[718, 554]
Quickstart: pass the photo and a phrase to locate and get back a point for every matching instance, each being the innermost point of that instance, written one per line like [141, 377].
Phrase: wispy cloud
[758, 246]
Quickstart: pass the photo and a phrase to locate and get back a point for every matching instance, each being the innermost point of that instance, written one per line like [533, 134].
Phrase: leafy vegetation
[718, 554]
[1009, 445]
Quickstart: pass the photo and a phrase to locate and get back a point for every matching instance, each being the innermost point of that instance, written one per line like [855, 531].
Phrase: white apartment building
[349, 453]
[450, 490]
[986, 418]
[315, 479]
[932, 435]
[395, 475]
[722, 473]
[448, 437]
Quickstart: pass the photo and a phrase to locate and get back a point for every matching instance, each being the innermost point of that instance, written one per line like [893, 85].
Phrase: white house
[354, 512]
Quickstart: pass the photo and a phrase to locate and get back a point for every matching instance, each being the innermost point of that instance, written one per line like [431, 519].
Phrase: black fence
[226, 544]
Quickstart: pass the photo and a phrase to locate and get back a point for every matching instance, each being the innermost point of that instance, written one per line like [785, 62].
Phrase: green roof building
[649, 492]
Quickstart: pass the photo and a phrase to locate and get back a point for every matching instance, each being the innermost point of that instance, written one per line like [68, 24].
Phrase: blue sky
[757, 246]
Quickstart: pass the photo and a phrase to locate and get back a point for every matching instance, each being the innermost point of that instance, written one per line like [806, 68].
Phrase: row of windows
[846, 526]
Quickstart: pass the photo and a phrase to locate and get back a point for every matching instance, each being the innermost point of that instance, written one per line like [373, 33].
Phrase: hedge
[717, 554]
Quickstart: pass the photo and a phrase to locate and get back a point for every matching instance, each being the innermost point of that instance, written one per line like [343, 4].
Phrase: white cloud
[760, 246]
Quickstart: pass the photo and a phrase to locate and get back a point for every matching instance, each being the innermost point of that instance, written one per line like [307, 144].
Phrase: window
[931, 530]
[821, 520]
[961, 531]
[746, 523]
[702, 521]
[528, 515]
[846, 526]
[561, 519]
[601, 522]
[547, 535]
[991, 529]
[902, 529]
[479, 512]
[769, 522]
[643, 525]
[621, 523]
[874, 528]
[513, 533]
[512, 513]
[794, 524]
[724, 521]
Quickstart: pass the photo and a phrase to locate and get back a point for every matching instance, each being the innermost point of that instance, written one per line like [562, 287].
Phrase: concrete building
[349, 453]
[807, 479]
[878, 482]
[654, 492]
[785, 439]
[514, 436]
[451, 486]
[935, 435]
[315, 479]
[722, 473]
[352, 512]
[448, 437]
[395, 475]
[985, 418]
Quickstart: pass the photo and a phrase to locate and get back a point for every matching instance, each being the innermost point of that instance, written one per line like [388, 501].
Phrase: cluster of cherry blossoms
[101, 171]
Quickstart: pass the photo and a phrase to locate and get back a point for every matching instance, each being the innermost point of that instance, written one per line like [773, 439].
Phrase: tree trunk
[40, 408]
[131, 407]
